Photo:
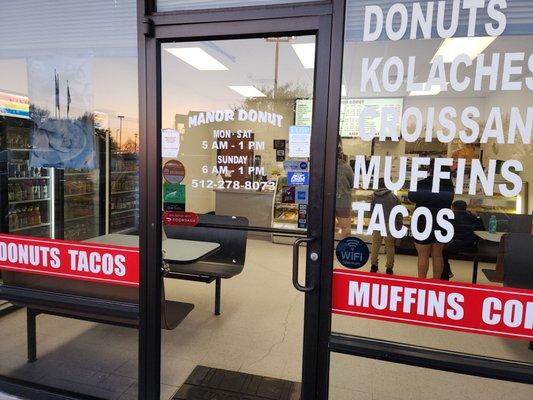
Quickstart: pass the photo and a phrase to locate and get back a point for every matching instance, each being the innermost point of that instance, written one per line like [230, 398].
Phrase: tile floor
[259, 332]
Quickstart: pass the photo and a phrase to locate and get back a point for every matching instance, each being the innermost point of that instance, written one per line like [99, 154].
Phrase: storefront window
[172, 5]
[433, 180]
[68, 174]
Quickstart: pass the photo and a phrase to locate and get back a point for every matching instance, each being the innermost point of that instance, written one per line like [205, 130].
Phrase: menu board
[350, 110]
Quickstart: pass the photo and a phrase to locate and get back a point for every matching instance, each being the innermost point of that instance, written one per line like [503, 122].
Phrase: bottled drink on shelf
[36, 191]
[30, 216]
[37, 215]
[13, 219]
[44, 189]
[23, 217]
[18, 192]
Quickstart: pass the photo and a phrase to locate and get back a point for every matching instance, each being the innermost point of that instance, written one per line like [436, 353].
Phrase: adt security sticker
[302, 194]
[352, 252]
[296, 166]
[298, 178]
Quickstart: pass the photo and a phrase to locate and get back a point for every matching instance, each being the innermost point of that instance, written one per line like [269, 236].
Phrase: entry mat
[205, 383]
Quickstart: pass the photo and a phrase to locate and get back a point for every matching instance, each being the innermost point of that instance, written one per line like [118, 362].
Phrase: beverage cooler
[60, 203]
[123, 198]
[47, 202]
[27, 195]
[83, 204]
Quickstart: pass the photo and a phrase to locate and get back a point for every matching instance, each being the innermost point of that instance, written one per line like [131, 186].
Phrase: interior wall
[193, 157]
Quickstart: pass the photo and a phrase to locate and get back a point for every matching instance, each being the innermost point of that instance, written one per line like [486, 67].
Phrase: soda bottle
[493, 224]
[30, 216]
[23, 217]
[37, 215]
[36, 191]
[18, 192]
[44, 189]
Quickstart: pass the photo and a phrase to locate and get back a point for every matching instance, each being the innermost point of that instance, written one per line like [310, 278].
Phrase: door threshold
[207, 382]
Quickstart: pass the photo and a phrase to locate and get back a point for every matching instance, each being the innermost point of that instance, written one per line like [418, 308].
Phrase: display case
[123, 197]
[27, 193]
[81, 204]
[284, 215]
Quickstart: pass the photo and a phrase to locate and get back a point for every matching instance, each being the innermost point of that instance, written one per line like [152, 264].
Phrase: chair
[518, 270]
[481, 252]
[516, 224]
[230, 232]
[520, 223]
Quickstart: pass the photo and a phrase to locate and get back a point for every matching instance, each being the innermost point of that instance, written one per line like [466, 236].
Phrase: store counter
[255, 206]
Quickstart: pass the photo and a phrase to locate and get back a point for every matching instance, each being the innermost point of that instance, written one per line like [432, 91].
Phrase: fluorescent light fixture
[344, 92]
[248, 91]
[428, 90]
[306, 54]
[518, 209]
[198, 58]
[472, 46]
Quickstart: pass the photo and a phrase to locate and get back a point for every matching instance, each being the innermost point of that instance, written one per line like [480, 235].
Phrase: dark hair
[460, 205]
[431, 167]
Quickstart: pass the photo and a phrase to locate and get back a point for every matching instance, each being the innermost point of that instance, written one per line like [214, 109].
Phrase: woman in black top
[424, 197]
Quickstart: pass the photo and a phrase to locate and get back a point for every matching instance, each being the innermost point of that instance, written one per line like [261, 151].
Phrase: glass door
[237, 219]
[236, 165]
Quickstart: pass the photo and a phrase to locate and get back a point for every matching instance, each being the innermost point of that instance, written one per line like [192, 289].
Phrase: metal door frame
[157, 28]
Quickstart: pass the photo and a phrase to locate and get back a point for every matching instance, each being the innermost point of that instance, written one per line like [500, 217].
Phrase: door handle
[295, 264]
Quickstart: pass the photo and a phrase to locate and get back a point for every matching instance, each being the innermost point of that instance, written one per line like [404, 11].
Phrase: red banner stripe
[117, 265]
[490, 310]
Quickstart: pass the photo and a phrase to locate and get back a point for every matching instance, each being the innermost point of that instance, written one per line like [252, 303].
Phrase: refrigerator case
[123, 198]
[28, 194]
[81, 204]
[82, 199]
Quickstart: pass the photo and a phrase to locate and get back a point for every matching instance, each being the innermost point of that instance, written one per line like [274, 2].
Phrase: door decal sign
[352, 252]
[173, 171]
[481, 309]
[180, 218]
[118, 265]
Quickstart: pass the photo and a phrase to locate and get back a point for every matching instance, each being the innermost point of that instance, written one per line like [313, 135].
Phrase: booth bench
[228, 231]
[97, 302]
[212, 251]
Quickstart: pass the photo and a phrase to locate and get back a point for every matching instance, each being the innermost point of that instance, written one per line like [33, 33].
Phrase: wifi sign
[352, 252]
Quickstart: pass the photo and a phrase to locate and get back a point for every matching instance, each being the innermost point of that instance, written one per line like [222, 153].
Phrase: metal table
[480, 256]
[491, 237]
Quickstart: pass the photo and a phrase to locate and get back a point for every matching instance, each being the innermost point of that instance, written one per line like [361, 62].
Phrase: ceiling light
[198, 58]
[428, 90]
[248, 91]
[306, 54]
[472, 46]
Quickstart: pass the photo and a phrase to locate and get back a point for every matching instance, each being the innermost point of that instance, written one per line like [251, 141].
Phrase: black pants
[453, 248]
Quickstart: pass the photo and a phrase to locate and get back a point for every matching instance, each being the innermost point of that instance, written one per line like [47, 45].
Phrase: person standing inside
[434, 201]
[387, 200]
[464, 238]
[343, 205]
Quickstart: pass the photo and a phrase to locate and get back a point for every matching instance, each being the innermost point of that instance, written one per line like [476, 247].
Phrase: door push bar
[295, 263]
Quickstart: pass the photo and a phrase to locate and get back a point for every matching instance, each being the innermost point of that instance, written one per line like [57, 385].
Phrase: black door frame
[312, 18]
